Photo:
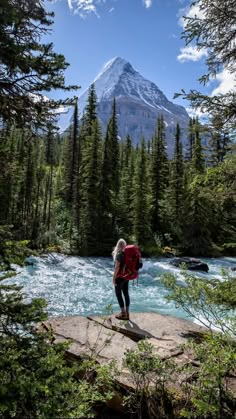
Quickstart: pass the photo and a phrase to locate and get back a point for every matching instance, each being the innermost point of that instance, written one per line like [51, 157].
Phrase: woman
[121, 285]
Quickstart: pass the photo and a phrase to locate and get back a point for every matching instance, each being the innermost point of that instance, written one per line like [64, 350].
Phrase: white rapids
[83, 286]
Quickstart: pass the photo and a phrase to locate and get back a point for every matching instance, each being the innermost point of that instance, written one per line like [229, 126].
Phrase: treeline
[82, 191]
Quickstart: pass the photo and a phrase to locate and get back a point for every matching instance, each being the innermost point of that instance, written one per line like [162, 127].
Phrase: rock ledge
[107, 338]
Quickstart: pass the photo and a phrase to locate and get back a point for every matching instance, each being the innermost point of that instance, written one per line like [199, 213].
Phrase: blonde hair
[120, 245]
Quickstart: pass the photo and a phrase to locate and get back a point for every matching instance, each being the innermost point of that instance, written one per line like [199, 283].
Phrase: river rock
[89, 338]
[106, 338]
[191, 263]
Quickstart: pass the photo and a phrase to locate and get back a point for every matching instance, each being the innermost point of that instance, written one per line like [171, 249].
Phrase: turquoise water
[83, 286]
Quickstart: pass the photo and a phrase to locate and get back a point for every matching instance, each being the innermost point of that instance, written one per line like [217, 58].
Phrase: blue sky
[147, 33]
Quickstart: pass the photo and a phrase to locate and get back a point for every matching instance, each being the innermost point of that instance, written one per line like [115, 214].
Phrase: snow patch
[118, 79]
[167, 110]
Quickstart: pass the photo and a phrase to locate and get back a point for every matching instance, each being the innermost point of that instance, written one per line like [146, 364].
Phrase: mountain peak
[119, 79]
[112, 70]
[139, 101]
[116, 61]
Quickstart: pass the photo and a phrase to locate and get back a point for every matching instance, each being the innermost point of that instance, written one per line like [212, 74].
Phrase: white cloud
[191, 12]
[147, 3]
[191, 53]
[197, 113]
[70, 4]
[61, 109]
[85, 7]
[38, 97]
[227, 82]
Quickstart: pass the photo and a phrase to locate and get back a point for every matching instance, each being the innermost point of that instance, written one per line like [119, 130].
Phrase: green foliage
[197, 215]
[109, 185]
[213, 30]
[219, 140]
[36, 381]
[71, 160]
[106, 202]
[150, 376]
[191, 138]
[89, 210]
[90, 114]
[209, 394]
[126, 195]
[36, 205]
[83, 191]
[16, 252]
[28, 67]
[140, 222]
[159, 170]
[197, 157]
[152, 250]
[211, 302]
[12, 251]
[229, 248]
[176, 188]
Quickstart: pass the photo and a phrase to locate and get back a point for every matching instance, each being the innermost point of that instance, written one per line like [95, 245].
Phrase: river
[83, 286]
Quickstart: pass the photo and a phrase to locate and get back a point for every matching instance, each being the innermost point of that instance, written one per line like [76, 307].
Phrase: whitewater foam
[83, 286]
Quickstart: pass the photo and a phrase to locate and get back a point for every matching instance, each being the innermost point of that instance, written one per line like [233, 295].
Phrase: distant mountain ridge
[139, 102]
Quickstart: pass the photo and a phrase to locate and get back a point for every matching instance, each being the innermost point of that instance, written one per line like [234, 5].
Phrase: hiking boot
[121, 316]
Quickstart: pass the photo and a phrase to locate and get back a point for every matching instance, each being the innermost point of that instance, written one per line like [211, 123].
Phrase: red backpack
[132, 262]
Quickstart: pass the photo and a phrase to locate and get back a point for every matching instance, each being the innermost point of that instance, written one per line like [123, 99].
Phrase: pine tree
[191, 138]
[40, 172]
[90, 113]
[158, 176]
[126, 194]
[178, 178]
[28, 67]
[213, 30]
[6, 173]
[219, 141]
[90, 194]
[198, 161]
[112, 131]
[36, 381]
[141, 227]
[29, 180]
[110, 184]
[71, 159]
[50, 160]
[196, 229]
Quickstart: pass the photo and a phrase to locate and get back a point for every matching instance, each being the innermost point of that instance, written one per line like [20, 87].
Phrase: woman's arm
[116, 271]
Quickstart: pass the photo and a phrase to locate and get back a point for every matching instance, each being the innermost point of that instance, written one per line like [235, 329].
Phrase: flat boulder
[192, 264]
[89, 338]
[105, 338]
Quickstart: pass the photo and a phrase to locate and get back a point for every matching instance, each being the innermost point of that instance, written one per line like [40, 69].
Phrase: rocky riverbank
[104, 339]
[108, 339]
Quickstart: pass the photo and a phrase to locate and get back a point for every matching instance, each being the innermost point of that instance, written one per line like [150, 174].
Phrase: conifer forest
[82, 190]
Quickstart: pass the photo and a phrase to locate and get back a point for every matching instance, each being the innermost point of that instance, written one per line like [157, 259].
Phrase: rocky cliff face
[139, 102]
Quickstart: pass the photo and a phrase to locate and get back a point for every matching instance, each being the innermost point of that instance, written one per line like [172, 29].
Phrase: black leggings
[122, 286]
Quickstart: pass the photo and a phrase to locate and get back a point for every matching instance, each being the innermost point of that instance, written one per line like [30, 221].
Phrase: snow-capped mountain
[139, 102]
